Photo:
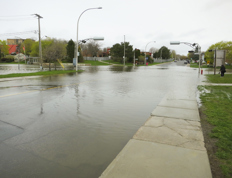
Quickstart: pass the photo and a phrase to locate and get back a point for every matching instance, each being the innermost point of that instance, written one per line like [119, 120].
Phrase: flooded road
[74, 125]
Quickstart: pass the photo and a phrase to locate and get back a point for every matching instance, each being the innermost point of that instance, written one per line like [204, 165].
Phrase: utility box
[74, 62]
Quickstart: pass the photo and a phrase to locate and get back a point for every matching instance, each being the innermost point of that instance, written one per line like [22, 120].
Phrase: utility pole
[124, 52]
[40, 48]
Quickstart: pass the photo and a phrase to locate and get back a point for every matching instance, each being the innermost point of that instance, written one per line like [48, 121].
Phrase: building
[13, 49]
[15, 41]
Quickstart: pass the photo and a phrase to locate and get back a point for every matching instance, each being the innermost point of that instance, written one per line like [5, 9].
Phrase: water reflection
[77, 127]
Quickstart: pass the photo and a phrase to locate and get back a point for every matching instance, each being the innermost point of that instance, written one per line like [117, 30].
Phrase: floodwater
[26, 68]
[74, 125]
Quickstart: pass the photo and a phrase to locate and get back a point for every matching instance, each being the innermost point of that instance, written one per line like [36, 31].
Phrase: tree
[117, 52]
[56, 50]
[70, 50]
[223, 45]
[27, 44]
[137, 53]
[90, 49]
[156, 55]
[44, 44]
[4, 47]
[173, 54]
[165, 52]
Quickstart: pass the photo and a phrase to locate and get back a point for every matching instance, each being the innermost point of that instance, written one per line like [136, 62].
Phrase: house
[13, 44]
[13, 49]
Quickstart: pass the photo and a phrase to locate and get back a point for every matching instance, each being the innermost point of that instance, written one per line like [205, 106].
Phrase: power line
[16, 18]
[18, 33]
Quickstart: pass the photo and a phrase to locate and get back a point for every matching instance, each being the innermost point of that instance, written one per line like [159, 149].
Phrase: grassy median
[53, 72]
[216, 110]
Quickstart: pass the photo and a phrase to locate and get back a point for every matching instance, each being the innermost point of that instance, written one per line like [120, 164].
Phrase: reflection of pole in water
[77, 96]
[41, 103]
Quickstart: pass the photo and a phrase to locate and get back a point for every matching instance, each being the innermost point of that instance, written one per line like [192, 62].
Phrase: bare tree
[57, 50]
[91, 48]
[153, 50]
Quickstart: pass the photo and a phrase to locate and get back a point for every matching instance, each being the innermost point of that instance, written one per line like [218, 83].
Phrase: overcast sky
[141, 21]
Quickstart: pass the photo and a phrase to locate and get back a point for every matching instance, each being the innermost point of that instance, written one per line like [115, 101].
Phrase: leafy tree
[137, 53]
[117, 52]
[223, 45]
[4, 47]
[155, 55]
[70, 50]
[28, 43]
[44, 44]
[173, 54]
[165, 52]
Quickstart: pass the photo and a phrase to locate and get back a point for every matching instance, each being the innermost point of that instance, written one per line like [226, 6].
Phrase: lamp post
[77, 53]
[193, 45]
[145, 51]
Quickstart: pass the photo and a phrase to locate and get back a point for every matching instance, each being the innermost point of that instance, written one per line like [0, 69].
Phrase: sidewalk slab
[176, 132]
[185, 104]
[148, 159]
[179, 113]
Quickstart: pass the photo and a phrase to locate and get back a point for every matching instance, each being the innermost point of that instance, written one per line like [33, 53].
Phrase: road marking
[18, 93]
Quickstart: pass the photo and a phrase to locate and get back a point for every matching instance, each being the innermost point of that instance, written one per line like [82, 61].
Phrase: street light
[77, 53]
[95, 39]
[145, 51]
[193, 45]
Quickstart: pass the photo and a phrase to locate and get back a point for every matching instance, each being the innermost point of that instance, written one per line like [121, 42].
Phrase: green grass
[95, 63]
[54, 72]
[128, 64]
[217, 104]
[12, 62]
[195, 65]
[218, 79]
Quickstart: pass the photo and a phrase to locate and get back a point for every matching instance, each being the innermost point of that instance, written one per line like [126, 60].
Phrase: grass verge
[218, 79]
[196, 65]
[128, 64]
[54, 72]
[95, 63]
[216, 107]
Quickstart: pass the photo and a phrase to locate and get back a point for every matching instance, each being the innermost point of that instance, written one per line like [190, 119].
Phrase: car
[175, 61]
[185, 62]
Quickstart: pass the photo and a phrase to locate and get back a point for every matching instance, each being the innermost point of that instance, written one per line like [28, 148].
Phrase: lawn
[218, 79]
[195, 65]
[95, 63]
[216, 109]
[53, 72]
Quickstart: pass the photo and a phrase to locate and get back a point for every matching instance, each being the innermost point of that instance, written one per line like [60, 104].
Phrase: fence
[163, 60]
[96, 58]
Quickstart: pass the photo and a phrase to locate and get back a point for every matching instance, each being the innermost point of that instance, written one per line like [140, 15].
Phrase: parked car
[185, 62]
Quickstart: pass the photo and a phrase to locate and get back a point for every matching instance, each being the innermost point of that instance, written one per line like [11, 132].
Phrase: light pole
[145, 51]
[77, 53]
[193, 45]
[124, 52]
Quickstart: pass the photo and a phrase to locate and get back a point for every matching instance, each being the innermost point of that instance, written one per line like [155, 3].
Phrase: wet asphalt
[74, 125]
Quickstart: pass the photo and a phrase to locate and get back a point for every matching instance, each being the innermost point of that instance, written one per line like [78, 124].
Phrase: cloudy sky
[141, 21]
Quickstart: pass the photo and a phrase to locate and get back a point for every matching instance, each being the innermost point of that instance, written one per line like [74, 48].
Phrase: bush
[117, 59]
[6, 59]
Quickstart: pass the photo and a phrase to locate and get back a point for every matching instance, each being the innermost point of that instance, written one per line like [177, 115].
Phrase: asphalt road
[74, 125]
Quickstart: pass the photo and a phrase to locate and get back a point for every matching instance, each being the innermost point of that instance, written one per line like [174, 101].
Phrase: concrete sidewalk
[170, 144]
